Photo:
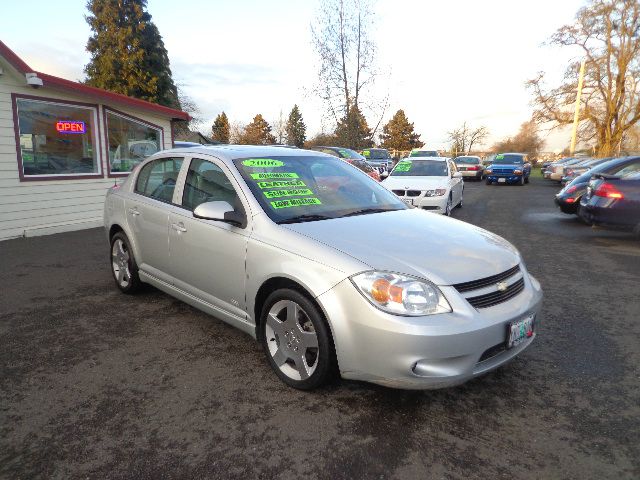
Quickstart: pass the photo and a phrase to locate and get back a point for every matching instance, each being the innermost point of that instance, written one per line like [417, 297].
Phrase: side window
[331, 152]
[633, 167]
[206, 182]
[158, 179]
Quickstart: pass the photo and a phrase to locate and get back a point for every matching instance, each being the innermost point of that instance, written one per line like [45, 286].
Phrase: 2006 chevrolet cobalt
[326, 268]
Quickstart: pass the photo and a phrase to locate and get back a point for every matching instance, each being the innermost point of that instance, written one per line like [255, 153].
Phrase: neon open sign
[71, 126]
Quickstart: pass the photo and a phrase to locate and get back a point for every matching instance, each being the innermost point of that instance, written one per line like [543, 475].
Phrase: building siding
[42, 207]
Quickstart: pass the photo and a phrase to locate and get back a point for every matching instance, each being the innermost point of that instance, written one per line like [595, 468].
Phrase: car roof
[227, 153]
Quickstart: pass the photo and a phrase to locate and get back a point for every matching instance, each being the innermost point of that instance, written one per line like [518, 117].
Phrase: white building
[63, 143]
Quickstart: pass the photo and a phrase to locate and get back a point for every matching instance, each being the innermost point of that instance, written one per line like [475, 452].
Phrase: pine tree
[258, 132]
[296, 129]
[127, 52]
[399, 134]
[352, 130]
[220, 129]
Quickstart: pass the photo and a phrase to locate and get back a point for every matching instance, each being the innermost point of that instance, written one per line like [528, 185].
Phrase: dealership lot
[95, 383]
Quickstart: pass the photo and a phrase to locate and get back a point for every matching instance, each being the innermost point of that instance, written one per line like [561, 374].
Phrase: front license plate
[519, 331]
[502, 180]
[408, 201]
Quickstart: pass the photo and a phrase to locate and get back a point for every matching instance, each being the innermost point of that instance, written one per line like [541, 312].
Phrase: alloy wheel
[447, 210]
[292, 340]
[120, 260]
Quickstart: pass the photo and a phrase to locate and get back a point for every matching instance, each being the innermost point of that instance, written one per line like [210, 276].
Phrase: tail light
[608, 190]
[475, 168]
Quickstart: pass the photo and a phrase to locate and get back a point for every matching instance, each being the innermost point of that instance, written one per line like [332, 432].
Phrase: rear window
[467, 160]
[424, 153]
[376, 154]
[508, 159]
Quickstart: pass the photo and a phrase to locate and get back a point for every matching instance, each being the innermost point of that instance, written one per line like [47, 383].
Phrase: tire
[297, 341]
[123, 265]
[521, 182]
[526, 180]
[488, 181]
[448, 208]
[461, 198]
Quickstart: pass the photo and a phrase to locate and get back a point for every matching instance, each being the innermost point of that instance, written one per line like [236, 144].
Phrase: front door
[208, 257]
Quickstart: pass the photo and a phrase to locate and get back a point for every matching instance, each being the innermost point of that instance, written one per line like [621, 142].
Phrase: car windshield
[348, 153]
[467, 160]
[508, 159]
[424, 153]
[376, 154]
[297, 189]
[420, 168]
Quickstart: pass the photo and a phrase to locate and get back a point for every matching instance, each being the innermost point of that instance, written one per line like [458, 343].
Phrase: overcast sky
[444, 62]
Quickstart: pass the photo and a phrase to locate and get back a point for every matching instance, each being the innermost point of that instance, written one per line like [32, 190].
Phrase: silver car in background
[470, 167]
[278, 243]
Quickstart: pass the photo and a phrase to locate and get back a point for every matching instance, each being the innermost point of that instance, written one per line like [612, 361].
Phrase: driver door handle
[178, 227]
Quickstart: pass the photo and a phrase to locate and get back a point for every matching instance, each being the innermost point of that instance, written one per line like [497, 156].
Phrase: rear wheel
[123, 264]
[297, 340]
[488, 181]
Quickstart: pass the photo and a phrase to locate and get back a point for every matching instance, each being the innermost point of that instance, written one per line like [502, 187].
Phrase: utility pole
[576, 115]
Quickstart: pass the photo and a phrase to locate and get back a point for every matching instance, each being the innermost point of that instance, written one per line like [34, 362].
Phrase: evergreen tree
[258, 132]
[220, 129]
[296, 129]
[352, 130]
[127, 52]
[399, 134]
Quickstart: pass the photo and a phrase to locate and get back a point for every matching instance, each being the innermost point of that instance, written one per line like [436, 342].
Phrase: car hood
[415, 183]
[414, 242]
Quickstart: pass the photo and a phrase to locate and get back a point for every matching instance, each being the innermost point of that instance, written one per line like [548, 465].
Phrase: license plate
[519, 331]
[502, 180]
[408, 201]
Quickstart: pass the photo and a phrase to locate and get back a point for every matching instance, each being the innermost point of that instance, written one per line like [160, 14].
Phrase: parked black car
[613, 201]
[568, 199]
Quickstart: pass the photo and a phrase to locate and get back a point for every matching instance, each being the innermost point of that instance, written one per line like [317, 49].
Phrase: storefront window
[56, 139]
[130, 142]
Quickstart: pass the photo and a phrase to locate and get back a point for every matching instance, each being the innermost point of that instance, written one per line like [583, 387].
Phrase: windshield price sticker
[262, 163]
[499, 157]
[295, 202]
[294, 192]
[268, 175]
[403, 167]
[366, 153]
[282, 184]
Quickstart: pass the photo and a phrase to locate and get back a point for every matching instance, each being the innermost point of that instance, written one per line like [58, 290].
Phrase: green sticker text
[295, 202]
[267, 175]
[282, 184]
[262, 162]
[403, 167]
[293, 192]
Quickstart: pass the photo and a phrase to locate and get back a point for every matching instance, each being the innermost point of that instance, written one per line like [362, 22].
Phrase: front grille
[486, 282]
[493, 351]
[400, 193]
[413, 193]
[494, 298]
[502, 171]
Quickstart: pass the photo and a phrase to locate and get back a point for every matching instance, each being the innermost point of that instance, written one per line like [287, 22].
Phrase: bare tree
[607, 32]
[463, 138]
[236, 131]
[341, 38]
[280, 129]
[526, 140]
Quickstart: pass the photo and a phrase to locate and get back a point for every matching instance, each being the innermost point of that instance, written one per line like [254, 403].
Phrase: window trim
[97, 138]
[132, 118]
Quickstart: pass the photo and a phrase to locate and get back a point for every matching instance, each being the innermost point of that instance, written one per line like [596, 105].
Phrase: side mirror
[384, 174]
[221, 212]
[457, 175]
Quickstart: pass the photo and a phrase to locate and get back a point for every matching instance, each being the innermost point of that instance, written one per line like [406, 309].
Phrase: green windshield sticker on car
[295, 202]
[262, 163]
[403, 167]
[268, 175]
[293, 192]
[282, 184]
[366, 153]
[499, 157]
[344, 152]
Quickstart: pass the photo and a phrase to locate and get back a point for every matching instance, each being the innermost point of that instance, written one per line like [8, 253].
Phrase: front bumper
[426, 352]
[508, 178]
[432, 204]
[565, 206]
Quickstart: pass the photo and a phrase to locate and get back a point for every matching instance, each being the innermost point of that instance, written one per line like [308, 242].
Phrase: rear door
[148, 211]
[208, 257]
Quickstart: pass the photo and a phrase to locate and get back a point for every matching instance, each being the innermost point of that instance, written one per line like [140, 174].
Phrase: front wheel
[461, 198]
[521, 182]
[296, 340]
[488, 181]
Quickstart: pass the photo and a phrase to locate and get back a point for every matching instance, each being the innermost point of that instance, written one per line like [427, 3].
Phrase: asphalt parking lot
[96, 384]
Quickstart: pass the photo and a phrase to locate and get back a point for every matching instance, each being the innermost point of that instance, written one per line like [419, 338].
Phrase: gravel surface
[96, 384]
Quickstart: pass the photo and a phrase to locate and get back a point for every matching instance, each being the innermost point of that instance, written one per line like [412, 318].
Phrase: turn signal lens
[401, 294]
[517, 172]
[607, 190]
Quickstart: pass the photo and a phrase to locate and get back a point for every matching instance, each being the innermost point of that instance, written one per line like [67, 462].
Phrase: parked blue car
[509, 168]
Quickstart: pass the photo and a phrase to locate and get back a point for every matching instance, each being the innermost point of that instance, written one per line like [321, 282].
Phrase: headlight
[400, 294]
[517, 172]
[488, 171]
[438, 192]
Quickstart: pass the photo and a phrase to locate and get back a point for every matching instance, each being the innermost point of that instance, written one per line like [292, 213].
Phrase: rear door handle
[134, 211]
[178, 227]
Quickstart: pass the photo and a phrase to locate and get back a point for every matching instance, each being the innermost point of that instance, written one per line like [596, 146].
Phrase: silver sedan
[328, 270]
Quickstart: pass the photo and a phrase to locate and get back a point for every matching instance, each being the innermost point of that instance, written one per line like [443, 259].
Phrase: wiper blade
[364, 211]
[305, 218]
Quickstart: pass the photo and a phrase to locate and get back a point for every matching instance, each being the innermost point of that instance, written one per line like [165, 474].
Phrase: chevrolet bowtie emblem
[502, 286]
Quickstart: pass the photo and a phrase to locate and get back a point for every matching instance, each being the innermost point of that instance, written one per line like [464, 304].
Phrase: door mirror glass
[220, 211]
